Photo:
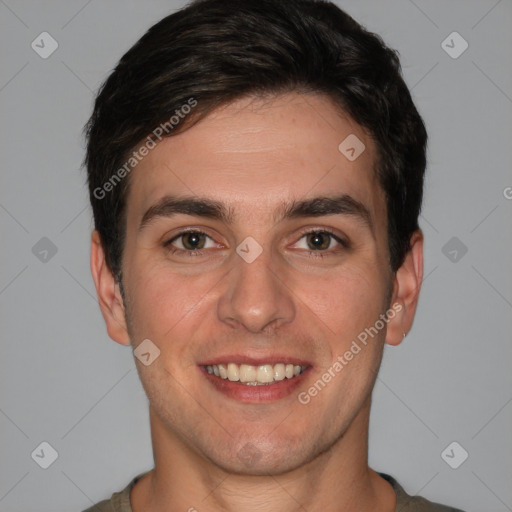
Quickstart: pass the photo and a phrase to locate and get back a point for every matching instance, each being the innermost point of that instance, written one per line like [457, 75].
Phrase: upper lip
[255, 361]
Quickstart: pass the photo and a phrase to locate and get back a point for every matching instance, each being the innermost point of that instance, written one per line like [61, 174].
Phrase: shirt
[120, 501]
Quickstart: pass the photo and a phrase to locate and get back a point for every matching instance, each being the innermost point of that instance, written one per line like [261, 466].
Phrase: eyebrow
[344, 204]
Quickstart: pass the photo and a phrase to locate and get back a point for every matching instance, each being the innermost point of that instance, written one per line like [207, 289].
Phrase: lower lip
[255, 394]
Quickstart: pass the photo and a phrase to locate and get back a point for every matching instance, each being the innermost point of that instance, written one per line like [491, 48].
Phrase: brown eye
[189, 241]
[319, 241]
[192, 241]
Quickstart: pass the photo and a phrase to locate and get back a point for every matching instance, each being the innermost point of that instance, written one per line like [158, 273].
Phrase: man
[255, 171]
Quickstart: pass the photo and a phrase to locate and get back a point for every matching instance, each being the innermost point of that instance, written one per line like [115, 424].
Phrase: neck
[337, 479]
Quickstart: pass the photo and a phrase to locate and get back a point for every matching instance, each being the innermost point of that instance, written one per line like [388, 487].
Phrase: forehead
[255, 153]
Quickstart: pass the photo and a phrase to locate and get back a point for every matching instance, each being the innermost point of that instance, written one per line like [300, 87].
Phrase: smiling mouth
[249, 375]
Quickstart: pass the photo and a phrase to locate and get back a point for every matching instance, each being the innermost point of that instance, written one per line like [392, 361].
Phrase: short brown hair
[216, 51]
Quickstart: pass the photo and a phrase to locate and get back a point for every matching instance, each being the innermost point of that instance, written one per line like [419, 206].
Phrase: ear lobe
[109, 296]
[406, 290]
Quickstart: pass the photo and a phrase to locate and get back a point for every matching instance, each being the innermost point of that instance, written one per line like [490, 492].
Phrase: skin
[253, 155]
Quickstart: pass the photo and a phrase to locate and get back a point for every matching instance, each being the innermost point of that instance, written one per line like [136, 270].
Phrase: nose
[256, 296]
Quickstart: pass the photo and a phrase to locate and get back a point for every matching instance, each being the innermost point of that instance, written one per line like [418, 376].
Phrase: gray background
[65, 382]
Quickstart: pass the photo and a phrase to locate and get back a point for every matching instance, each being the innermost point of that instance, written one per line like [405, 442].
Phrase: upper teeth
[255, 375]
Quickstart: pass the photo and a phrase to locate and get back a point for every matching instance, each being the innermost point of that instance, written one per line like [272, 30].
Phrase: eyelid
[168, 241]
[303, 232]
[341, 239]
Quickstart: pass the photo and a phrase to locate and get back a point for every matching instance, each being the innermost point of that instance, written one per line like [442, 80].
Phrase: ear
[406, 290]
[109, 295]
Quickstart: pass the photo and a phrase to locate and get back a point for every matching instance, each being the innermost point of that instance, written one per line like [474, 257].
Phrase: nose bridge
[255, 295]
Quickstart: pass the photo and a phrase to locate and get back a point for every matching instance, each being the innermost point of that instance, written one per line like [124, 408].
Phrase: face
[254, 245]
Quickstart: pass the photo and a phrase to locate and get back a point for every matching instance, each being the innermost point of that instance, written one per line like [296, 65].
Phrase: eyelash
[311, 253]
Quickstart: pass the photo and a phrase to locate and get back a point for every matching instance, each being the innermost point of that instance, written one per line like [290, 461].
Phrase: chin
[264, 458]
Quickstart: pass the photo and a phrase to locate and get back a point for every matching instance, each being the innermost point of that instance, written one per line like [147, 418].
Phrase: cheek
[347, 300]
[157, 301]
[164, 305]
